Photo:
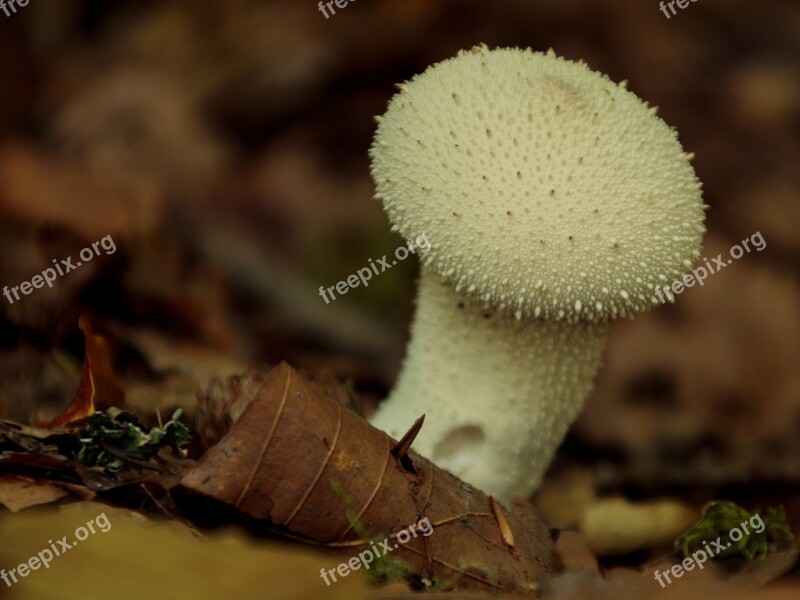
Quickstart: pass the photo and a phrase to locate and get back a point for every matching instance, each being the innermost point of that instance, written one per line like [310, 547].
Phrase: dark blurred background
[223, 146]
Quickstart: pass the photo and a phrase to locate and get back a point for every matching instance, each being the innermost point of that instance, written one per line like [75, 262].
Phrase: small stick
[402, 447]
[121, 455]
[505, 529]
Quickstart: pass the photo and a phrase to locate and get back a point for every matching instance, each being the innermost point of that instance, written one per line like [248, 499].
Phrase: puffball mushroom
[555, 201]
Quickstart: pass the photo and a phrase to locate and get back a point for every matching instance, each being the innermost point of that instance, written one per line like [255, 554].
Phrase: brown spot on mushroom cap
[548, 141]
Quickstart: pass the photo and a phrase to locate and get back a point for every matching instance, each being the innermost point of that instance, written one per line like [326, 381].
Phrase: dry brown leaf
[18, 493]
[299, 461]
[99, 388]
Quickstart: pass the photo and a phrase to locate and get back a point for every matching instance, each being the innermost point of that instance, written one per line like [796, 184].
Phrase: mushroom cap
[545, 188]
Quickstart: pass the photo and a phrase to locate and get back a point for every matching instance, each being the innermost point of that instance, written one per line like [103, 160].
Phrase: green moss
[113, 441]
[759, 536]
[387, 570]
[351, 509]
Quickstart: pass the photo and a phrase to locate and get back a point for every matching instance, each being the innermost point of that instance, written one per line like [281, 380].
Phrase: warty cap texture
[546, 189]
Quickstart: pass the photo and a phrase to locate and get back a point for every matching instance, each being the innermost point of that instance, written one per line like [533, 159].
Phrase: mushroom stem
[499, 394]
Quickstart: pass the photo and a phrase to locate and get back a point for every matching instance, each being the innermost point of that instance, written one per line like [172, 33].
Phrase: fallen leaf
[299, 462]
[17, 493]
[99, 387]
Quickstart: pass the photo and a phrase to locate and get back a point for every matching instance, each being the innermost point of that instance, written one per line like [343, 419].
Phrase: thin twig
[123, 456]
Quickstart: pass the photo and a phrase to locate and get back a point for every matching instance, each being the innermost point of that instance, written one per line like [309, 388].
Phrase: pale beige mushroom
[555, 201]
